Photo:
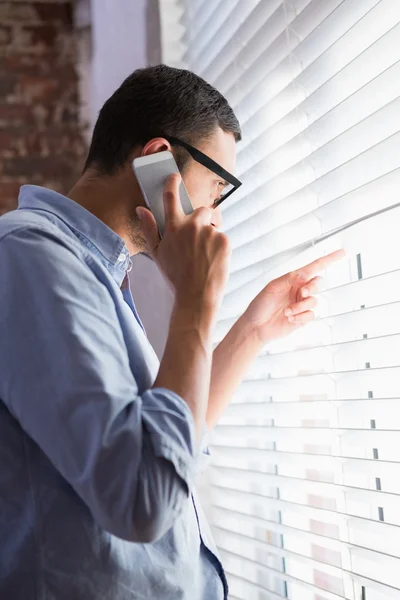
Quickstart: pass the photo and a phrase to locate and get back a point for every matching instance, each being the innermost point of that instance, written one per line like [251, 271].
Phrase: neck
[113, 200]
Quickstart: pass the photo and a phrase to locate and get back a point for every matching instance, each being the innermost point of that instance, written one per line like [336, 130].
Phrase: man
[100, 444]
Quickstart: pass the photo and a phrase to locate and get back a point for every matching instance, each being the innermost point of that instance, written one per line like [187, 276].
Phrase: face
[204, 186]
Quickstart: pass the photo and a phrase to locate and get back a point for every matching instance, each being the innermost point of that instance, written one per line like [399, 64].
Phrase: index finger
[172, 203]
[313, 268]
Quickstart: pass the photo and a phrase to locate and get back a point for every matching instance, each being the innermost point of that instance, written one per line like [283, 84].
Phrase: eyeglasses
[231, 184]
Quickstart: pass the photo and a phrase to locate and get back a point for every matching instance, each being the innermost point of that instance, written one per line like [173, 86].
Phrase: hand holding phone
[193, 255]
[152, 172]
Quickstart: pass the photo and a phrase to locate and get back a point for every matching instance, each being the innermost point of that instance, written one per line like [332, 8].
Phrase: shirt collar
[91, 231]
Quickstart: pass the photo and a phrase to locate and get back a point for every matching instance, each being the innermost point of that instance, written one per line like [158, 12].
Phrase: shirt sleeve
[66, 378]
[203, 456]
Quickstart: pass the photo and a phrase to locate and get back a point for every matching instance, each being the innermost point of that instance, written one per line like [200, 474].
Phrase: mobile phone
[151, 172]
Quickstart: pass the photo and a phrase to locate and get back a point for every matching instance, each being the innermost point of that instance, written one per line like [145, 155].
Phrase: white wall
[119, 36]
[119, 44]
[124, 36]
[153, 301]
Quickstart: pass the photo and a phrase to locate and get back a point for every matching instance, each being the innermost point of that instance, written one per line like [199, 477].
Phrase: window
[305, 479]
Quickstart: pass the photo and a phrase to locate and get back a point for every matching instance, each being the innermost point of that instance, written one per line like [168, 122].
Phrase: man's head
[162, 101]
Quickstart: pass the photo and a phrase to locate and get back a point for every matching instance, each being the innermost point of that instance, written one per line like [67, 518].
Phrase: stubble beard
[136, 236]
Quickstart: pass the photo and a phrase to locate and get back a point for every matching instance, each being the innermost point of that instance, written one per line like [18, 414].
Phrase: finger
[202, 215]
[312, 287]
[312, 269]
[302, 318]
[149, 228]
[173, 210]
[302, 306]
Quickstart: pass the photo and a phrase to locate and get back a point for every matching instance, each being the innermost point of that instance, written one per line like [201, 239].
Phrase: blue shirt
[97, 498]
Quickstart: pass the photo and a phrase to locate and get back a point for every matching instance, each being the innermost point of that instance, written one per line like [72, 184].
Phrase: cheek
[200, 192]
[197, 199]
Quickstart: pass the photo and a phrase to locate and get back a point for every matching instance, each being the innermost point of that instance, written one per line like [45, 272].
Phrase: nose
[217, 218]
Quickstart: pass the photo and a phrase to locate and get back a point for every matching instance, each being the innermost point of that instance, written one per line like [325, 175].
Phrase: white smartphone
[151, 172]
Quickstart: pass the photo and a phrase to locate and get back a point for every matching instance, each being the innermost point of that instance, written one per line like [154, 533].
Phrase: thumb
[149, 227]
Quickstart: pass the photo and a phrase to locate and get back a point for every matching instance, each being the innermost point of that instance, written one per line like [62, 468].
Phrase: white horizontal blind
[306, 462]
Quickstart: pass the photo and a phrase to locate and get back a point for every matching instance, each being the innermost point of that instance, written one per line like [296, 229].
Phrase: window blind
[305, 475]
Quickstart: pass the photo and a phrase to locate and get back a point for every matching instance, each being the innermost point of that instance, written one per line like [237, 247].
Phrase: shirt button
[121, 257]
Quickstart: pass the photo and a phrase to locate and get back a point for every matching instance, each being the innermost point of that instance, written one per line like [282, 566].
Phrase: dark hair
[153, 102]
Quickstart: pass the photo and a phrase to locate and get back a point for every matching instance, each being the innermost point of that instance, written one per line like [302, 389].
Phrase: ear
[156, 145]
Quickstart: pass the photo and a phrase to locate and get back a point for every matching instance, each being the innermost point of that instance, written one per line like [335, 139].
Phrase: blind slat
[328, 495]
[351, 322]
[315, 446]
[248, 17]
[324, 51]
[245, 590]
[329, 160]
[286, 114]
[363, 472]
[262, 56]
[262, 574]
[199, 13]
[282, 530]
[309, 200]
[329, 582]
[254, 20]
[262, 529]
[247, 412]
[285, 515]
[328, 154]
[338, 357]
[317, 132]
[208, 25]
[271, 555]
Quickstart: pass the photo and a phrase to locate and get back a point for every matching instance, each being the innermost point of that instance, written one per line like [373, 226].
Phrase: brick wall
[40, 137]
